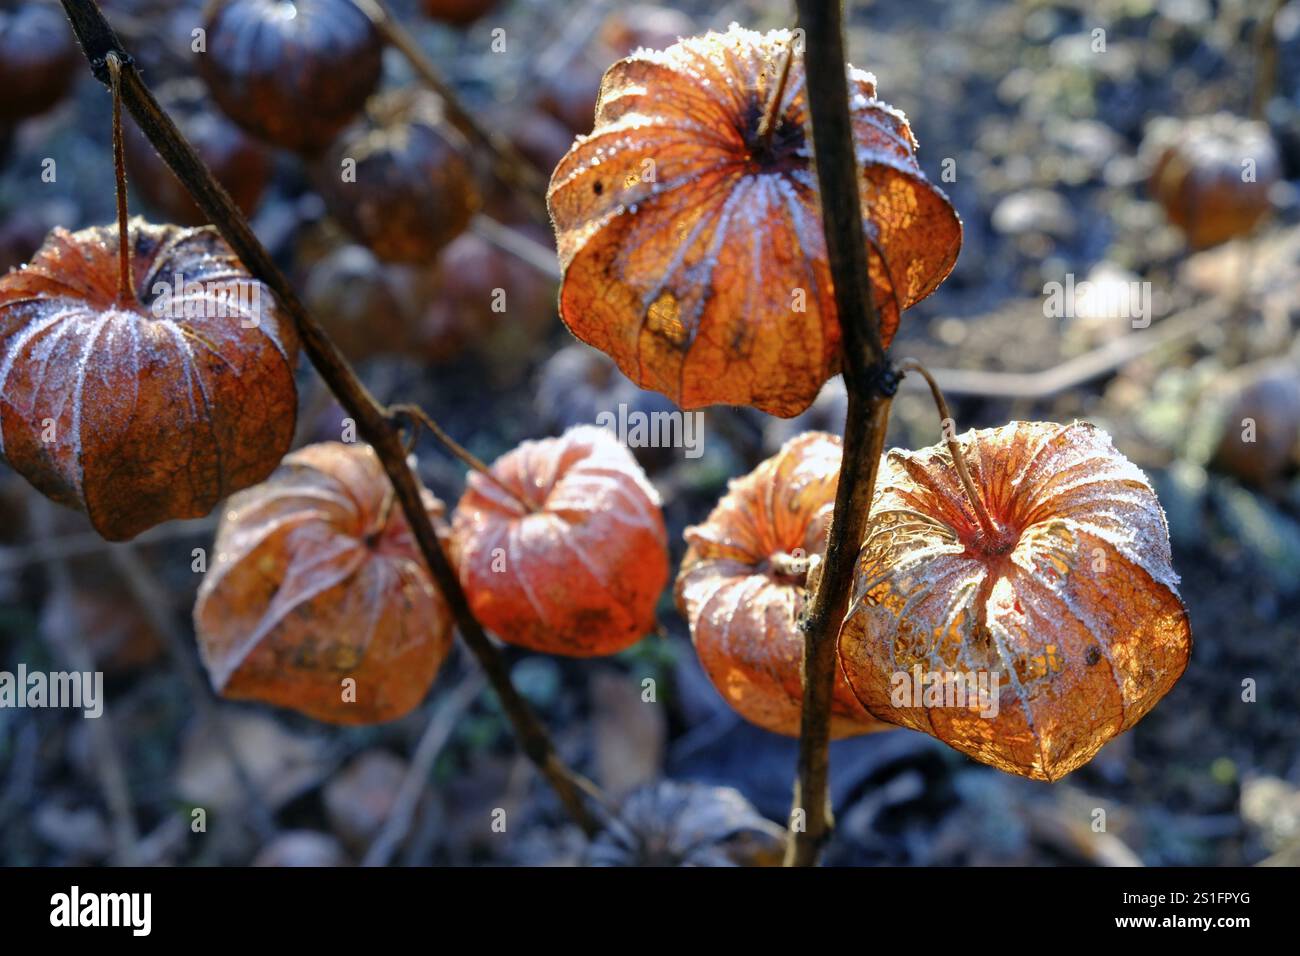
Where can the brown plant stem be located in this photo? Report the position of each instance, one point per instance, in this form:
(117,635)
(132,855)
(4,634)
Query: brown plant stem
(870,383)
(772,115)
(508,164)
(125,287)
(947,426)
(467,457)
(373,423)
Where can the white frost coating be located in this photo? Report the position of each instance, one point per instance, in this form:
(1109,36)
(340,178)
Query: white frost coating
(1077,489)
(183,347)
(19,343)
(77,402)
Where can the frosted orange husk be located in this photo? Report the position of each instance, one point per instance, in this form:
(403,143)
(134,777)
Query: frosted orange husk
(318,597)
(1072,600)
(571,559)
(150,409)
(692,245)
(744,582)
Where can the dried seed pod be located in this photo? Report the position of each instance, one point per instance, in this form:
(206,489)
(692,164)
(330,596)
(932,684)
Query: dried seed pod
(291,72)
(116,630)
(744,581)
(571,94)
(568,553)
(1212,174)
(540,138)
(687,824)
(38,58)
(692,243)
(578,385)
(24,227)
(489,300)
(142,411)
(368,307)
(1069,602)
(318,581)
(412,191)
(1254,413)
(240,163)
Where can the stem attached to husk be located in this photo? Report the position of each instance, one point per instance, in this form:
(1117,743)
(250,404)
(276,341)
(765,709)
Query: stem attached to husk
(772,115)
(467,457)
(125,287)
(948,428)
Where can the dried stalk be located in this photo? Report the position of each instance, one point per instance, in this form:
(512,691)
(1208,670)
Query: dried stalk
(373,423)
(947,426)
(870,383)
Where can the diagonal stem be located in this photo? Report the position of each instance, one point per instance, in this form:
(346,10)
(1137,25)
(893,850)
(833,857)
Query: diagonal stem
(870,383)
(98,41)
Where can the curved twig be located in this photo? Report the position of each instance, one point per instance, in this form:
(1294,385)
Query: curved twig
(946,424)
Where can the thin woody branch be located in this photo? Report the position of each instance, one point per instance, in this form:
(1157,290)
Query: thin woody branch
(98,40)
(870,382)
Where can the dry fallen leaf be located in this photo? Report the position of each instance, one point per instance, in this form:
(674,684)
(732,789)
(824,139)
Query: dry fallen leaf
(744,581)
(302,848)
(568,553)
(628,733)
(281,764)
(692,246)
(360,797)
(317,580)
(687,824)
(1072,604)
(151,410)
